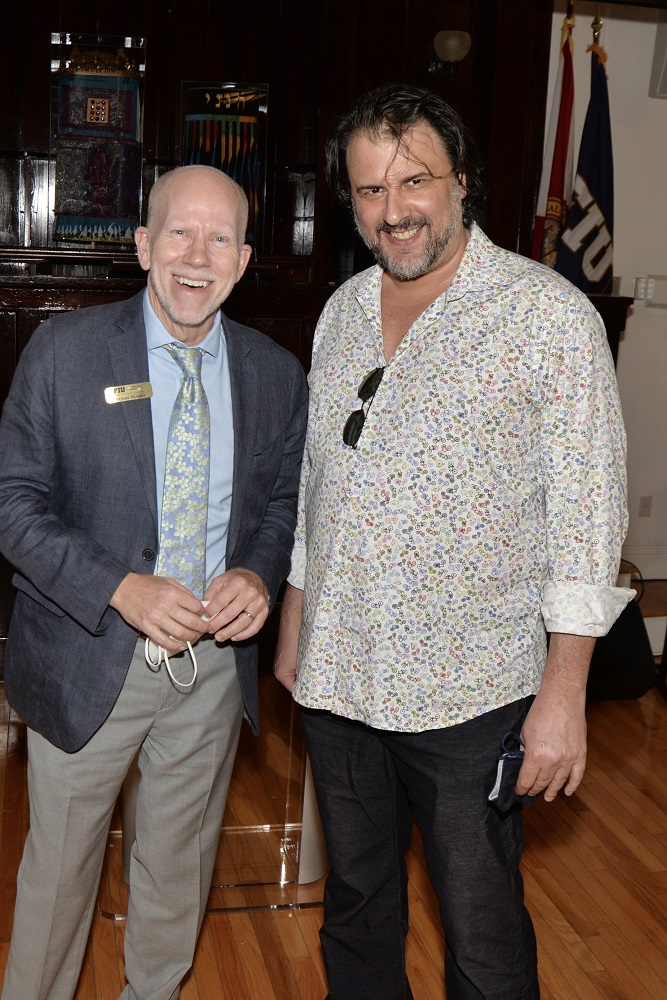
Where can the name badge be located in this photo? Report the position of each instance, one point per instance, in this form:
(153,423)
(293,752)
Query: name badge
(124,393)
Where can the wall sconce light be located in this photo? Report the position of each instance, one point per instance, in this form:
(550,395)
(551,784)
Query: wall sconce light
(450,48)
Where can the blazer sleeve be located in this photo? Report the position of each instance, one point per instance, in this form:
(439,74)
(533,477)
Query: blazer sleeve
(269,507)
(55,561)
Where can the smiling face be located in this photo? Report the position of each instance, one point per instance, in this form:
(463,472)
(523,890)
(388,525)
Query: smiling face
(193,248)
(407,202)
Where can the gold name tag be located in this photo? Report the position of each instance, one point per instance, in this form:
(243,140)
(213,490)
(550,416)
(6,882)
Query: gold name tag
(123,393)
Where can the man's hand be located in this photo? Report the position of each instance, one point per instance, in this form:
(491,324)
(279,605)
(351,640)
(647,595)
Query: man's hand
(238,605)
(160,608)
(285,662)
(554,732)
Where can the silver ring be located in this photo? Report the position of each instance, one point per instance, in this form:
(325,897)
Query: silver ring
(251,617)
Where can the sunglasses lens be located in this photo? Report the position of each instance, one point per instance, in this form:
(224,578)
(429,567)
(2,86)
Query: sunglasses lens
(353,427)
(370,384)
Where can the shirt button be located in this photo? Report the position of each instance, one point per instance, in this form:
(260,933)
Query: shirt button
(147,555)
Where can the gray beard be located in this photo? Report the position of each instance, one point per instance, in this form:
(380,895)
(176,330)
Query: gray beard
(434,252)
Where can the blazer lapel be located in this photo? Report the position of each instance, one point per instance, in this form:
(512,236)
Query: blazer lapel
(244,409)
(129,362)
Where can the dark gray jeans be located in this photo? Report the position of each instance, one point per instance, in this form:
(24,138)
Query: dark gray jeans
(369,783)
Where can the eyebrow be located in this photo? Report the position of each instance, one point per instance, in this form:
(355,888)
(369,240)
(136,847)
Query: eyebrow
(404,180)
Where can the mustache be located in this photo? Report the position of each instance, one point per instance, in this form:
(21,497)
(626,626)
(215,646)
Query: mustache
(403,225)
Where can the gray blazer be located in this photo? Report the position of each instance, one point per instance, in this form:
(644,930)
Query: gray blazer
(78,506)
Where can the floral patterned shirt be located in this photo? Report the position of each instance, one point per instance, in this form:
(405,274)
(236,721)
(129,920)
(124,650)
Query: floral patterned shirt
(484,503)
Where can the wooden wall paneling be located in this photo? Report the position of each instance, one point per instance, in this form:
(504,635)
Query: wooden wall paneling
(37,181)
(10,187)
(229,33)
(517,97)
(261,51)
(24,76)
(177,54)
(473,80)
(153,25)
(89,17)
(13,55)
(293,106)
(426,19)
(336,84)
(288,313)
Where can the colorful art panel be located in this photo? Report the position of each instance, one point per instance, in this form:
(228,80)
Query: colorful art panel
(224,126)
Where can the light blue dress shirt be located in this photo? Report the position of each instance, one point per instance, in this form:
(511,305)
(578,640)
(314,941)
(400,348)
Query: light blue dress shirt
(165,377)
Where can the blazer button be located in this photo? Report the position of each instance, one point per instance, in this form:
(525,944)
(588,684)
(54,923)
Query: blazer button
(147,555)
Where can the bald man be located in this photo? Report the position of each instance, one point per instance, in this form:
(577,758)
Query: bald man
(113,648)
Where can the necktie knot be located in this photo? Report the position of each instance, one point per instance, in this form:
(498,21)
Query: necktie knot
(188,359)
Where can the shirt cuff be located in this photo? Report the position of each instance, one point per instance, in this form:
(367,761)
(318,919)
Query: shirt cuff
(297,576)
(582,608)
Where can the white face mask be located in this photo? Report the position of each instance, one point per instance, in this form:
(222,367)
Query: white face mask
(155,655)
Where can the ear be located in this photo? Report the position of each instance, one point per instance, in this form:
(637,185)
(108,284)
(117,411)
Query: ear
(245,254)
(142,239)
(462,185)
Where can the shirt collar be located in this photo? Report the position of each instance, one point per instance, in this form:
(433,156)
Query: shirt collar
(158,336)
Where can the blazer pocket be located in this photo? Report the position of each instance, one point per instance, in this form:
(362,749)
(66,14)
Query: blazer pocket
(27,588)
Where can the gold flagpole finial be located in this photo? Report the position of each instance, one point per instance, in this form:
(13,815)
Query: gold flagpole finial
(596,25)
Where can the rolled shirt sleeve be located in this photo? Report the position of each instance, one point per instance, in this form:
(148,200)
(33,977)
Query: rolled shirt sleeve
(583,464)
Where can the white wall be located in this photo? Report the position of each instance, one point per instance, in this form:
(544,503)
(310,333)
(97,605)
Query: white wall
(639,137)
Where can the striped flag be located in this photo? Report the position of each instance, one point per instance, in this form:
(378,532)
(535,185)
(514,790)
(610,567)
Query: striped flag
(586,252)
(556,183)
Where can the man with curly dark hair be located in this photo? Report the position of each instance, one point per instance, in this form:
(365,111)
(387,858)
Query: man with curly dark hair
(462,494)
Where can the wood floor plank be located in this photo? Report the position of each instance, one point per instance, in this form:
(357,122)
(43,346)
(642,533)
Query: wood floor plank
(309,974)
(205,971)
(228,958)
(256,981)
(424,954)
(627,836)
(620,981)
(561,929)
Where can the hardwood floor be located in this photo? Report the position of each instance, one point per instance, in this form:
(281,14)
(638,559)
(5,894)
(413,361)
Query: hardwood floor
(595,869)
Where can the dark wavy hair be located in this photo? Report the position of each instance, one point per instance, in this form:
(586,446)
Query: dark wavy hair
(392,110)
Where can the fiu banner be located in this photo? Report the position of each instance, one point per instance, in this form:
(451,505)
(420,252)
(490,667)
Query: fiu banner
(586,252)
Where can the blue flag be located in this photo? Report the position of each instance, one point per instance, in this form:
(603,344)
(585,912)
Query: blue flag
(586,252)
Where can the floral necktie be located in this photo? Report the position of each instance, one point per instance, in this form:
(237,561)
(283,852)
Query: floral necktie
(182,553)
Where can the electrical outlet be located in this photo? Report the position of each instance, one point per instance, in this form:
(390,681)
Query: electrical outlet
(645,506)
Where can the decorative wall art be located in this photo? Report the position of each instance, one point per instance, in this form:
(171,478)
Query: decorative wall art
(224,126)
(97,137)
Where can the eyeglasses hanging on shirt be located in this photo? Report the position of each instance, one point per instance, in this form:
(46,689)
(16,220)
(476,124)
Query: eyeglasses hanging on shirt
(356,420)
